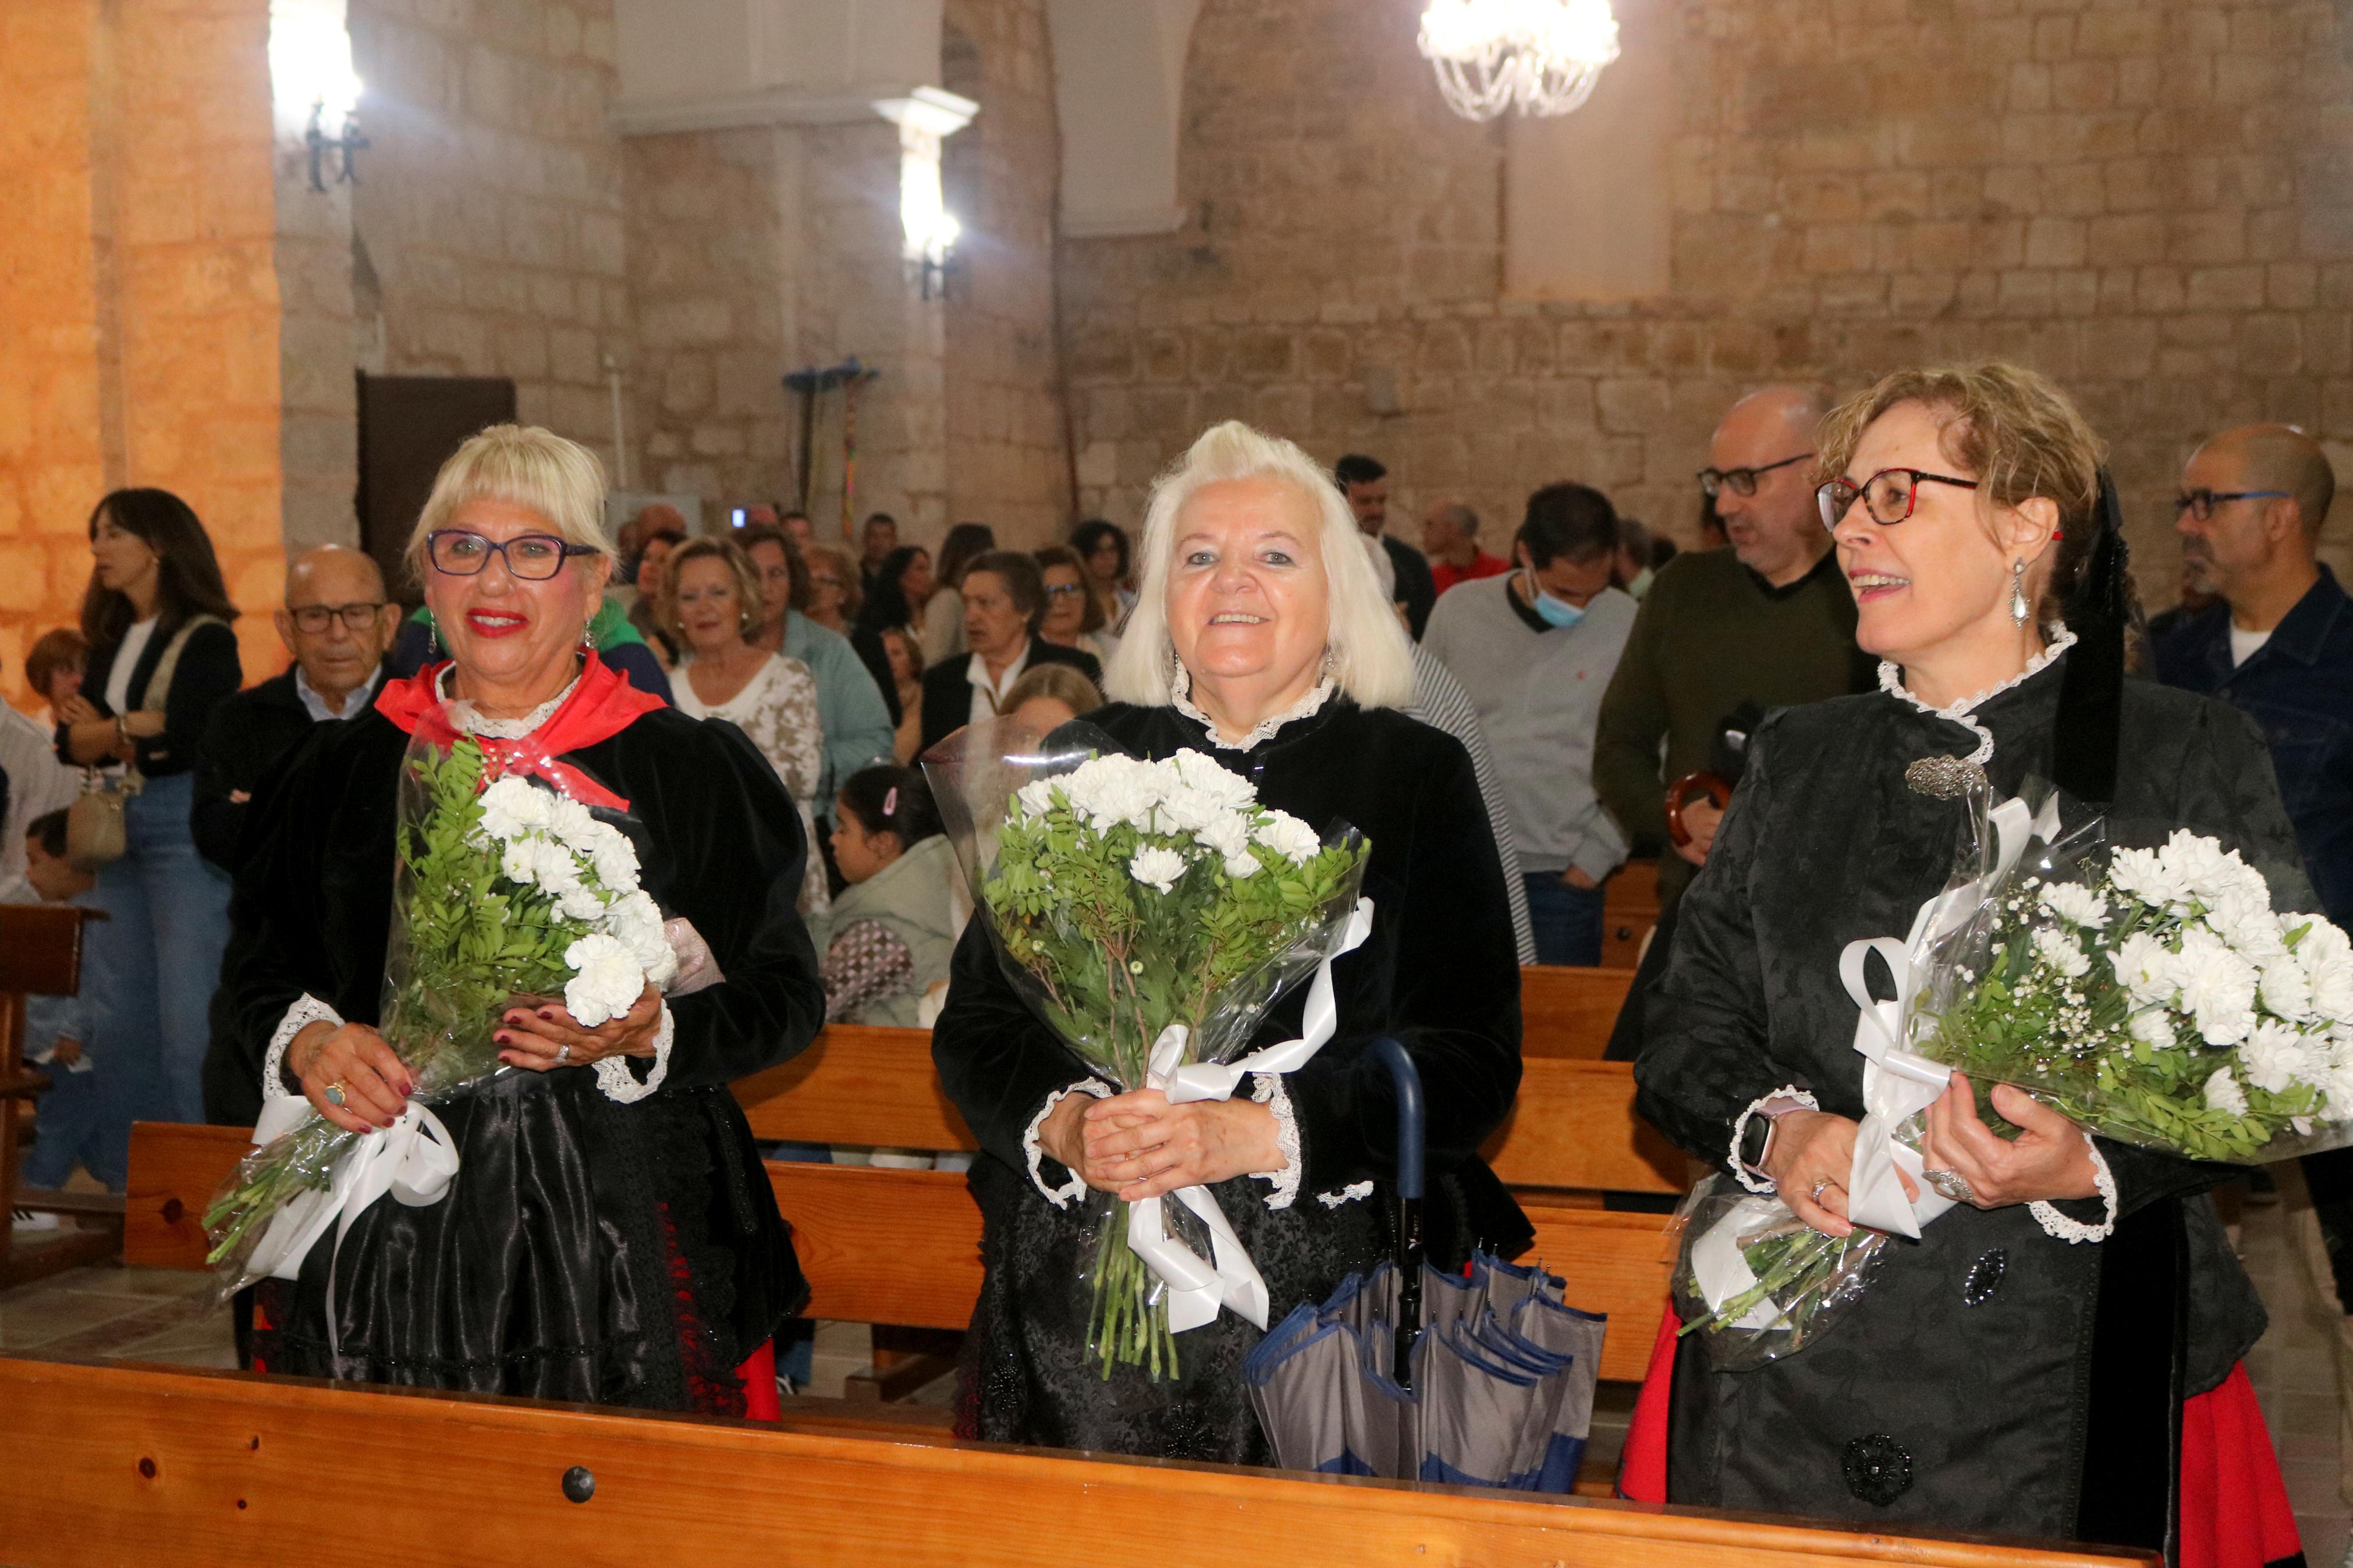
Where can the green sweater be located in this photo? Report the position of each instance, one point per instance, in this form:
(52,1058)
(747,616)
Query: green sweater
(1711,635)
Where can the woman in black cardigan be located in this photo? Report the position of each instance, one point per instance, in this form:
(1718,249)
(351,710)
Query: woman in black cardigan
(1260,637)
(160,655)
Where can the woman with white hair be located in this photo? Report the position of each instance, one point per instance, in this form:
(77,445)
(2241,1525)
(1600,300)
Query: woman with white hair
(1260,637)
(607,1237)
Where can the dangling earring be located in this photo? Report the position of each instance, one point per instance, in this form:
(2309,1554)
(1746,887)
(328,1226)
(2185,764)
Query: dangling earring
(2019,608)
(588,636)
(437,653)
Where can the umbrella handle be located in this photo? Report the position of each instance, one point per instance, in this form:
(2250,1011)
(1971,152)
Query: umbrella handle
(1410,1183)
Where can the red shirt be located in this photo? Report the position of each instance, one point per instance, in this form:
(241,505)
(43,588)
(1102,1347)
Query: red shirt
(1482,565)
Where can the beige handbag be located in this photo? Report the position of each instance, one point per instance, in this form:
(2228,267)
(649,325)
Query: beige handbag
(96,833)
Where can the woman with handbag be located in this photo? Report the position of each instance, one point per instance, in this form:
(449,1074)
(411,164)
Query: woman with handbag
(161,655)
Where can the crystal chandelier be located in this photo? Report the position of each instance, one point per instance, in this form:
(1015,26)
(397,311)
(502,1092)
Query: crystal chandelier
(1539,56)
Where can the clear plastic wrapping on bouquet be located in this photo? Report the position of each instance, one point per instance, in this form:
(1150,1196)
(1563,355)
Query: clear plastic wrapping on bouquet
(506,894)
(1757,1282)
(2137,977)
(1150,914)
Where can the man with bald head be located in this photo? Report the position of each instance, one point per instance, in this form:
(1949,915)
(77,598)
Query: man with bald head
(1723,635)
(2280,645)
(337,625)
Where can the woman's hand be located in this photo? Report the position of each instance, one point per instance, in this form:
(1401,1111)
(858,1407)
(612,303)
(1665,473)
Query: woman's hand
(1139,1146)
(77,709)
(353,1059)
(1813,1152)
(538,1039)
(2049,1159)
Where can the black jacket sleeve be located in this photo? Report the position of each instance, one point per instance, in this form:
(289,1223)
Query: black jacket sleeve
(996,1061)
(1706,1059)
(1453,1001)
(279,948)
(214,819)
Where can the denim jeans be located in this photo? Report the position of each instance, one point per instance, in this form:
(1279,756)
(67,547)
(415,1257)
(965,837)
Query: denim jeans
(158,957)
(77,1122)
(1567,920)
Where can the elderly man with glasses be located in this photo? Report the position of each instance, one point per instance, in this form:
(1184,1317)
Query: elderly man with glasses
(1722,636)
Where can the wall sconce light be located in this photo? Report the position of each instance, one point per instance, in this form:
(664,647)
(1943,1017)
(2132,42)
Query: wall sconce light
(930,231)
(320,144)
(939,261)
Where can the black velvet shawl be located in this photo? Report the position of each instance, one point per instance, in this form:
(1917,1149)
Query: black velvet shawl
(1440,971)
(1986,1399)
(587,1250)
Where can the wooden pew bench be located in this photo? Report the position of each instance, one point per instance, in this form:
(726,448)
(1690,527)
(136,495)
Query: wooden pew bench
(41,955)
(159,1467)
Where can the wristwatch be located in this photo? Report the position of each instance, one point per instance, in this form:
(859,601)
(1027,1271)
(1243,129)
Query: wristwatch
(1757,1134)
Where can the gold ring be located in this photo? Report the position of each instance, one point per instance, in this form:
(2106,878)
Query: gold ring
(335,1095)
(1825,1185)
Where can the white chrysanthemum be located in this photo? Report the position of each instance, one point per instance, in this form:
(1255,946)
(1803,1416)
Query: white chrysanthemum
(569,821)
(513,806)
(1288,836)
(606,982)
(2077,905)
(2145,969)
(2273,1057)
(1037,798)
(551,866)
(2210,871)
(2242,917)
(2327,958)
(2143,875)
(2060,949)
(1227,833)
(582,904)
(1198,770)
(636,921)
(2153,1027)
(1156,868)
(2223,1093)
(2218,987)
(517,863)
(615,858)
(2285,989)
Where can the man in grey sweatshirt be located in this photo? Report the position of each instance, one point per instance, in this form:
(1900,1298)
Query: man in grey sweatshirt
(1535,648)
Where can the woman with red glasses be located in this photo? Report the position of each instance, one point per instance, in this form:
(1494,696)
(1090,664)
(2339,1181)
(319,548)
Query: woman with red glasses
(2057,1355)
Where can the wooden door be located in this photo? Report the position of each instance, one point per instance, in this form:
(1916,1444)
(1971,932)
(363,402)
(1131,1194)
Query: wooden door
(408,427)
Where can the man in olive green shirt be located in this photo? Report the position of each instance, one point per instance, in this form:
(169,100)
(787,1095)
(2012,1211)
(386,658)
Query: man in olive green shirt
(1770,622)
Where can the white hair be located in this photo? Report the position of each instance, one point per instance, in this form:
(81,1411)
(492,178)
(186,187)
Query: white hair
(1371,658)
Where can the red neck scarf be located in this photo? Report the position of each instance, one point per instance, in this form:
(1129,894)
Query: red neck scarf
(601,706)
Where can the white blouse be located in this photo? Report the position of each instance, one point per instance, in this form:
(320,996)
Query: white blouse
(778,709)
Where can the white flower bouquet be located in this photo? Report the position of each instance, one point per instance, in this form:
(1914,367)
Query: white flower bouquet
(507,892)
(1150,912)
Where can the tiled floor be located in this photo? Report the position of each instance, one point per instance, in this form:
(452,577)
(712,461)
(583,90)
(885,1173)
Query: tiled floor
(115,1313)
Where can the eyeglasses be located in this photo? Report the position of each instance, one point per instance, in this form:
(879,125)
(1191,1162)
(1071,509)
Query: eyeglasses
(2201,503)
(1888,494)
(533,557)
(1740,482)
(1056,590)
(314,618)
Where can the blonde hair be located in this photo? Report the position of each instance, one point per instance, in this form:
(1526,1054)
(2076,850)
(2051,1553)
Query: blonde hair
(1066,684)
(1369,657)
(2008,428)
(527,467)
(750,613)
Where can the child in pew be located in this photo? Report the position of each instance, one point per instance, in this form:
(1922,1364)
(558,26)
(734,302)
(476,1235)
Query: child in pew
(77,1121)
(890,933)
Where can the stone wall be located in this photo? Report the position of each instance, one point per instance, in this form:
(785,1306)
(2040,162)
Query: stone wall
(489,208)
(1007,460)
(138,304)
(2151,200)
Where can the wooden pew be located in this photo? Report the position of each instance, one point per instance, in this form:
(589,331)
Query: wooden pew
(1569,1012)
(147,1468)
(40,955)
(1630,908)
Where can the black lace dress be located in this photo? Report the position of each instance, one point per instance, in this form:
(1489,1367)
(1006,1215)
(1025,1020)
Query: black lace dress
(1993,1377)
(1440,971)
(587,1250)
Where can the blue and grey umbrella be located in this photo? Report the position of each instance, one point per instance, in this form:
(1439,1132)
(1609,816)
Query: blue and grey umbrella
(1485,1378)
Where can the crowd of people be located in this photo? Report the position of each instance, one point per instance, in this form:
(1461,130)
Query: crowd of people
(1507,718)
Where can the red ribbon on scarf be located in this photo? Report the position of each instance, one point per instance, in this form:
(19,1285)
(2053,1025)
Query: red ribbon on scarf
(601,706)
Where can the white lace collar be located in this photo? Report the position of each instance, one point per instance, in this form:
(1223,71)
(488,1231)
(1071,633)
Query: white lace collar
(1180,692)
(1891,681)
(467,720)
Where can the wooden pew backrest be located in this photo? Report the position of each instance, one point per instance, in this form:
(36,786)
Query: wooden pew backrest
(1568,1012)
(1573,1126)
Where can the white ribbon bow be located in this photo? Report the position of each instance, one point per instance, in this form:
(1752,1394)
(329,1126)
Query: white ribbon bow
(1897,1083)
(415,1160)
(1197,1289)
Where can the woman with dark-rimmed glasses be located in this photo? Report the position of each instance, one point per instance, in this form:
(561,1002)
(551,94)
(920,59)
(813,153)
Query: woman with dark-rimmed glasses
(2057,1355)
(607,1237)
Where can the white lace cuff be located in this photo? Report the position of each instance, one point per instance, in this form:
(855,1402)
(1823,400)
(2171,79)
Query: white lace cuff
(307,1010)
(2074,1232)
(1353,1193)
(621,1085)
(1786,1098)
(1059,1196)
(1266,1089)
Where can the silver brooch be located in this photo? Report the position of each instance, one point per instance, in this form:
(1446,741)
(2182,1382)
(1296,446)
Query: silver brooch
(1944,778)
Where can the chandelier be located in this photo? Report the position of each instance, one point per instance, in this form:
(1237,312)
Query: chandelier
(1539,56)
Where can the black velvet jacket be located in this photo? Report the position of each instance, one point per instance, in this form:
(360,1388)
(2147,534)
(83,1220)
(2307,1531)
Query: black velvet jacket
(587,1250)
(1989,1397)
(1440,971)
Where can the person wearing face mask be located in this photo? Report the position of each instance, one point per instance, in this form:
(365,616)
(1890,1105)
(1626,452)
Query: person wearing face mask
(2057,1355)
(1535,649)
